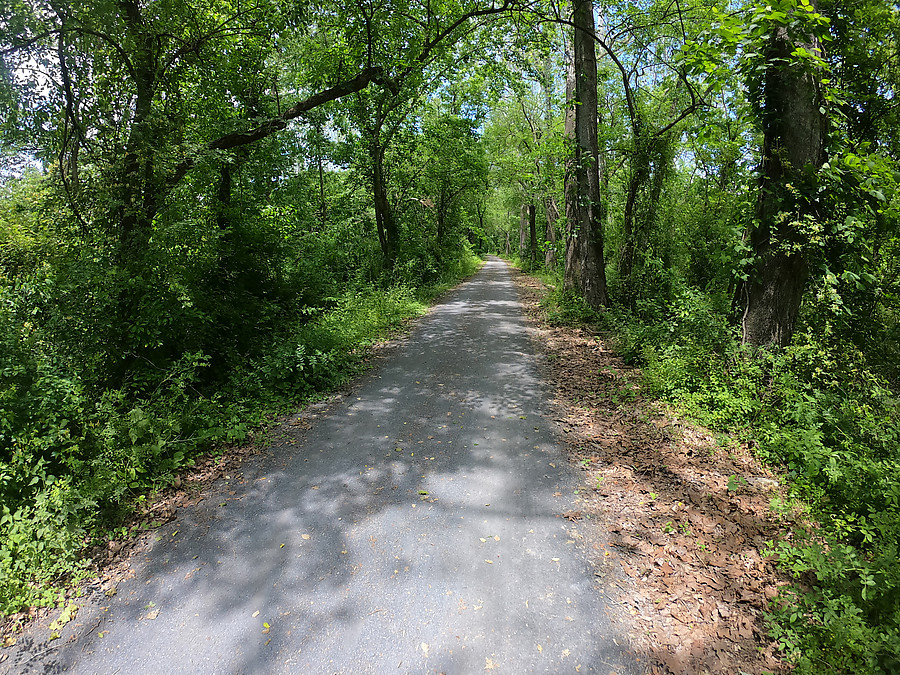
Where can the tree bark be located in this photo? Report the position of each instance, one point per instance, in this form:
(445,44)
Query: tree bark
(552,212)
(640,173)
(139,193)
(269,127)
(585,270)
(795,132)
(384,215)
(532,233)
(523,228)
(323,204)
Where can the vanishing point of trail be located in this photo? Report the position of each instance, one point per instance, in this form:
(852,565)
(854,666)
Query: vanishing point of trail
(414,528)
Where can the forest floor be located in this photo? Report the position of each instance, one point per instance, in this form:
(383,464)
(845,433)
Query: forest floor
(687,514)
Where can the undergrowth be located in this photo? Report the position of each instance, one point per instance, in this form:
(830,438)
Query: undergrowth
(75,459)
(824,414)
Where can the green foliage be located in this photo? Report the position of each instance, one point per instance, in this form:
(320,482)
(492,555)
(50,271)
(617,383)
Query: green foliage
(823,413)
(234,323)
(566,308)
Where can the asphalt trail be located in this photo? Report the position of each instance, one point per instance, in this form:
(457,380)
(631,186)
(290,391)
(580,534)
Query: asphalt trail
(414,529)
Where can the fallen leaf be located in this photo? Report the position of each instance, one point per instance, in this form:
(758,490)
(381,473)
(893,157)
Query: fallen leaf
(305,536)
(255,614)
(424,647)
(65,617)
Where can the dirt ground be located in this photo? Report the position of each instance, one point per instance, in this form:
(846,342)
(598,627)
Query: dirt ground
(687,515)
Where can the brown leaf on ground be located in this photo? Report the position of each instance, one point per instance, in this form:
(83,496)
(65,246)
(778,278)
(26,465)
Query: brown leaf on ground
(689,544)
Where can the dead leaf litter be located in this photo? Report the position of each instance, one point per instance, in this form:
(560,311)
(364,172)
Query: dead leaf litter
(685,519)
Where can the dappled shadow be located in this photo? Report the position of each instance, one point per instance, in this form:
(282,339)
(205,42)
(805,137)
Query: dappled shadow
(415,528)
(689,519)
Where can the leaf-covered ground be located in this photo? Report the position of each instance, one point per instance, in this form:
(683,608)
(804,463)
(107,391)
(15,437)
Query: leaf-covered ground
(687,516)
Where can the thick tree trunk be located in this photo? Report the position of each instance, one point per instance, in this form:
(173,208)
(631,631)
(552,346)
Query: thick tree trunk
(795,132)
(585,270)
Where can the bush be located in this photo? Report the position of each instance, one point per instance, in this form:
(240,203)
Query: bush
(229,326)
(820,411)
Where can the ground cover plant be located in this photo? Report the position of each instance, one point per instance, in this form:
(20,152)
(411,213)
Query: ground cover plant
(207,210)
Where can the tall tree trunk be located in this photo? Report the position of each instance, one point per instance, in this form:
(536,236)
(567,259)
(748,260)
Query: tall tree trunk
(795,131)
(585,270)
(640,170)
(384,216)
(649,169)
(138,198)
(552,212)
(532,234)
(523,229)
(139,194)
(223,196)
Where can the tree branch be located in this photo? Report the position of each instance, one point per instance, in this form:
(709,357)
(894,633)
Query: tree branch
(267,128)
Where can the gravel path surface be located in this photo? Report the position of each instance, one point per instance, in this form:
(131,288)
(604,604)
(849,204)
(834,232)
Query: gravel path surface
(415,528)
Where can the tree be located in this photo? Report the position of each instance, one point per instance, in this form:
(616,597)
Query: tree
(131,99)
(795,128)
(415,42)
(585,268)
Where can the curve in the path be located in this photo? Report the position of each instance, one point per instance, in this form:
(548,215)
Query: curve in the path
(415,529)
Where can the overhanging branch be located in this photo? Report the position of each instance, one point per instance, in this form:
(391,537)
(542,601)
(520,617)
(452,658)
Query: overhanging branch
(269,127)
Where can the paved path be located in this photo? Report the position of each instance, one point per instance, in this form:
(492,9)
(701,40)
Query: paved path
(414,529)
